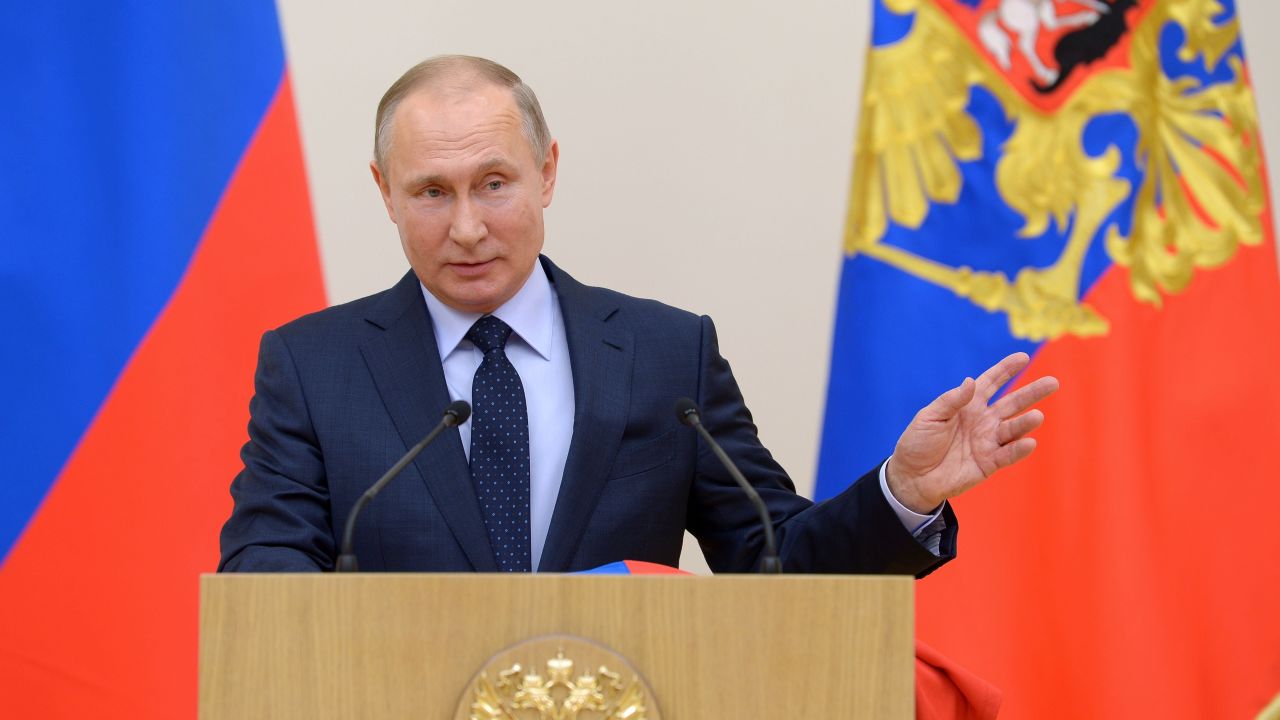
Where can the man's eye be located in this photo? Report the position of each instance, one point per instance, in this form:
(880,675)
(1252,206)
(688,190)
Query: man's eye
(433,192)
(495,184)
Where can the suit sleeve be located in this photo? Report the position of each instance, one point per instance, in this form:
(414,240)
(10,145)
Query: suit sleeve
(281,520)
(854,532)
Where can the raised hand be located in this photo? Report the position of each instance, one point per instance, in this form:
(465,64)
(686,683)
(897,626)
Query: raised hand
(958,440)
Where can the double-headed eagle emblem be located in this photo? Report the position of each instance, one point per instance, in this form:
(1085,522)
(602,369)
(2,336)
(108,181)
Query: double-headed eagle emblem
(1198,192)
(521,693)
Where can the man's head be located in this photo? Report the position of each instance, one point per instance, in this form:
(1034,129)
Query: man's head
(465,165)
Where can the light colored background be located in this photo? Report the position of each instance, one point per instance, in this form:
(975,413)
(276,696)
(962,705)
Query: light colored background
(705,157)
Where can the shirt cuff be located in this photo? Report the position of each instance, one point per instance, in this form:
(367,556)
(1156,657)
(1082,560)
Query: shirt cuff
(913,521)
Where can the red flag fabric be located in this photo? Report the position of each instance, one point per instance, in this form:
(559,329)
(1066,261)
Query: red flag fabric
(946,691)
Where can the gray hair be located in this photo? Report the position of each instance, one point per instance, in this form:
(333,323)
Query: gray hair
(442,66)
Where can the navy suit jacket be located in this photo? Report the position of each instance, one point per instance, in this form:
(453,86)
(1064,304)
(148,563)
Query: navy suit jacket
(341,394)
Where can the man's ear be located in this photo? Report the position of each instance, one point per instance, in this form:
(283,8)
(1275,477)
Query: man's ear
(549,173)
(384,187)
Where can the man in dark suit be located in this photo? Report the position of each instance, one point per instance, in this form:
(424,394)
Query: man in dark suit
(573,457)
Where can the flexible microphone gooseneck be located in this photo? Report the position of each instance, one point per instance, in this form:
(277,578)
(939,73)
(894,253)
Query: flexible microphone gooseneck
(687,413)
(454,415)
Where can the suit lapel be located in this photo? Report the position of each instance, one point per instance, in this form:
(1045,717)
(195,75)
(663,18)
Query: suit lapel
(404,361)
(601,356)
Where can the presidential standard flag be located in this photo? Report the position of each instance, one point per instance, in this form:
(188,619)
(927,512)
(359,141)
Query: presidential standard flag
(1080,180)
(155,221)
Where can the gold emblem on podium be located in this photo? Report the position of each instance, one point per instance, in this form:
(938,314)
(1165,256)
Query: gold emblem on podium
(557,677)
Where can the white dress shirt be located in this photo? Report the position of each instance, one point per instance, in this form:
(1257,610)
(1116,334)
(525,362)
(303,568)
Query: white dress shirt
(539,352)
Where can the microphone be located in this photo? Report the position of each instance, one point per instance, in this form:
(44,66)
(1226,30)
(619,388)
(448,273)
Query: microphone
(454,415)
(687,413)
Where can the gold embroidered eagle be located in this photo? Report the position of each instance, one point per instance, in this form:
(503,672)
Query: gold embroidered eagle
(1201,189)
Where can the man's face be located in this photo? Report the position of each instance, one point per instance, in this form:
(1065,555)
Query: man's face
(466,193)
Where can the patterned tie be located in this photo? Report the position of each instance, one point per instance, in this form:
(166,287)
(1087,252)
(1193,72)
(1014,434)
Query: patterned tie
(500,446)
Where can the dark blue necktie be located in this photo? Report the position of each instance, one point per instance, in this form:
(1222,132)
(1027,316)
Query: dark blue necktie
(500,446)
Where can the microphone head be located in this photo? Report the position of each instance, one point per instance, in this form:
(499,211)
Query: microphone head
(687,412)
(457,413)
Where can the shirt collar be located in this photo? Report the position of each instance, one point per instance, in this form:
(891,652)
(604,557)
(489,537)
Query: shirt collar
(528,312)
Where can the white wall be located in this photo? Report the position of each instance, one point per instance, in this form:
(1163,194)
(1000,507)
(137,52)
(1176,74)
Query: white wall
(705,156)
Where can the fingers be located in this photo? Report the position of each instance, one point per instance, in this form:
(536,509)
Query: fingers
(950,402)
(1017,402)
(1014,451)
(1014,429)
(1000,373)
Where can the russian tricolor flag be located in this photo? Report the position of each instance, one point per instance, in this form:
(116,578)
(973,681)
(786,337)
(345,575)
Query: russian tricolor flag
(155,220)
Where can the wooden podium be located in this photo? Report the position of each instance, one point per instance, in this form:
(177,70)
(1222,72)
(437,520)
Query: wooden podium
(408,646)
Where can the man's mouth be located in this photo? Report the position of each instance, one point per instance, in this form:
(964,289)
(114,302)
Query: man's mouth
(471,268)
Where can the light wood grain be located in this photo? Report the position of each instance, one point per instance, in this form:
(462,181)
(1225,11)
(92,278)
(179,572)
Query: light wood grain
(405,646)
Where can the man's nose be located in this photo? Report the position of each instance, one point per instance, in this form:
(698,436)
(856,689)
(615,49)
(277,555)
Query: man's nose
(467,226)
